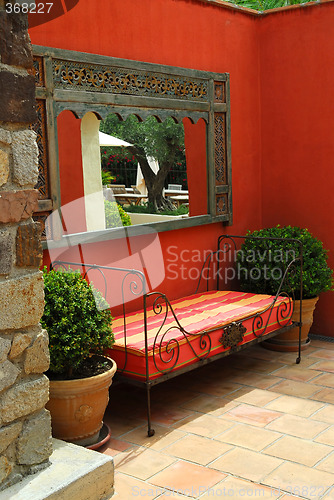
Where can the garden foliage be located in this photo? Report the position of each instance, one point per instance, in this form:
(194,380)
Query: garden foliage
(78,321)
(261,263)
(115,215)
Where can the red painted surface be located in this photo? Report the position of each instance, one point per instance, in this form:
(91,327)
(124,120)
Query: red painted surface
(297,61)
(281,71)
(71,174)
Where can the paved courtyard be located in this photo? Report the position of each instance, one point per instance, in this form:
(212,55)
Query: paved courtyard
(252,425)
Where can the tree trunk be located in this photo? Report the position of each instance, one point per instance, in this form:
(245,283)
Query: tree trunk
(155,181)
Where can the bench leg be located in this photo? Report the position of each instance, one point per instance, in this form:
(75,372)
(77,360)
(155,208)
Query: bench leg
(150,431)
(299,344)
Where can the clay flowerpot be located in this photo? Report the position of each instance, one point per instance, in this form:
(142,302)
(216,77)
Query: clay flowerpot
(288,341)
(77,406)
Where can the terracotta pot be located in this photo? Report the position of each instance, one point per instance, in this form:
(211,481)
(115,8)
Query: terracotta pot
(288,341)
(77,406)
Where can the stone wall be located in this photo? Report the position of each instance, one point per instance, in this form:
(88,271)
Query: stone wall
(25,425)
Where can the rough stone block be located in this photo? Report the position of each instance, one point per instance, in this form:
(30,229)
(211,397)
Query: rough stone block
(17,98)
(29,251)
(20,342)
(35,443)
(6,252)
(24,398)
(5,469)
(8,374)
(5,136)
(21,301)
(8,434)
(25,156)
(4,167)
(15,47)
(16,206)
(5,345)
(38,356)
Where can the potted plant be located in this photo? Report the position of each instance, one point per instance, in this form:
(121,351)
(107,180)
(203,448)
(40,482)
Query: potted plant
(269,259)
(78,321)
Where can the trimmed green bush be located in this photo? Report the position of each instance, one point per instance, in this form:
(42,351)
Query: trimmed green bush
(115,214)
(148,208)
(261,264)
(78,321)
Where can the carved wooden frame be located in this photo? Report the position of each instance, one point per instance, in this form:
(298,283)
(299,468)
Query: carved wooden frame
(82,82)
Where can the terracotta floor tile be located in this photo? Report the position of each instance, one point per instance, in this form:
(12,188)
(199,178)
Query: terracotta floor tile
(141,462)
(197,449)
(218,388)
(176,397)
(258,352)
(303,451)
(326,437)
(259,366)
(211,405)
(203,425)
(296,372)
(253,415)
(300,480)
(246,464)
(167,496)
(166,414)
(322,344)
(253,396)
(329,494)
(290,359)
(130,487)
(325,414)
(119,425)
(297,426)
(323,354)
(323,366)
(326,395)
(164,436)
(255,379)
(326,379)
(295,388)
(327,464)
(188,479)
(295,406)
(247,436)
(114,446)
(233,487)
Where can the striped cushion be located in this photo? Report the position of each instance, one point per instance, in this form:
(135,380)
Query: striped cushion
(208,311)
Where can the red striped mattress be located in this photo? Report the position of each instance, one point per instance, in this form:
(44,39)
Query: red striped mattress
(170,348)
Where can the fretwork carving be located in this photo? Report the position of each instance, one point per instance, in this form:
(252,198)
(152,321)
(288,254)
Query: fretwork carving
(220,149)
(43,172)
(98,78)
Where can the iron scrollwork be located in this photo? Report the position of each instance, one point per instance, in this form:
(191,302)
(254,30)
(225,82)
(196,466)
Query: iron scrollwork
(233,334)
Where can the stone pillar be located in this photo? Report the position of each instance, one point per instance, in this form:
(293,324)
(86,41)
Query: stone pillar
(25,425)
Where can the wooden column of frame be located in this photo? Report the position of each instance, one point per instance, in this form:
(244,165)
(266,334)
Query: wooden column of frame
(83,82)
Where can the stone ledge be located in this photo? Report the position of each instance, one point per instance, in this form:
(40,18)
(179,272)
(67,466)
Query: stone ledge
(74,473)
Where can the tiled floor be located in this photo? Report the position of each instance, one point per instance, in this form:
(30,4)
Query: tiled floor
(252,425)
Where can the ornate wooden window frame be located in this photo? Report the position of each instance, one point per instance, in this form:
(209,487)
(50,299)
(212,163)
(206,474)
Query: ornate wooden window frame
(82,82)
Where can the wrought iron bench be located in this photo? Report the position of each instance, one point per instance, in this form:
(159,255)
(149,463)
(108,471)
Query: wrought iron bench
(164,338)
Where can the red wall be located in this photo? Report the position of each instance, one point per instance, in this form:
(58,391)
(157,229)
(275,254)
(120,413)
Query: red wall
(297,119)
(281,67)
(190,34)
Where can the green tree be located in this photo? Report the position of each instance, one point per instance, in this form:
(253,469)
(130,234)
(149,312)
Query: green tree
(262,5)
(162,141)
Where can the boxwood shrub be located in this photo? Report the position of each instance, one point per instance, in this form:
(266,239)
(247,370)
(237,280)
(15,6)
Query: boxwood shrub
(78,321)
(261,264)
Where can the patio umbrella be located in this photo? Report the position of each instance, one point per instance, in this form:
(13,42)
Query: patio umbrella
(109,140)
